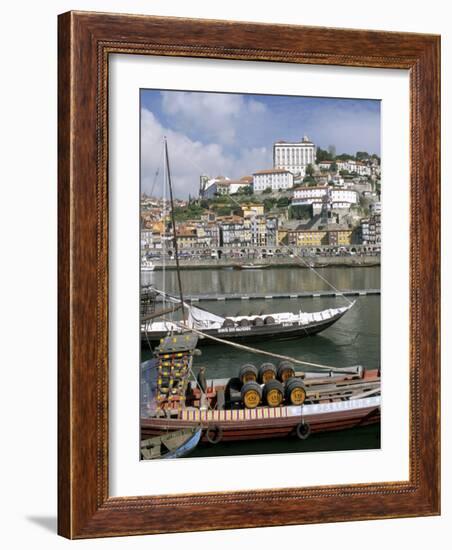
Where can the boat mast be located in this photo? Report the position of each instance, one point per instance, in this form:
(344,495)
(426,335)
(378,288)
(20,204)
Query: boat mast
(173,222)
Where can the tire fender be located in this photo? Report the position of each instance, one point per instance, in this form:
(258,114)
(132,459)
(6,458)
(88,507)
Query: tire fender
(214,434)
(303,430)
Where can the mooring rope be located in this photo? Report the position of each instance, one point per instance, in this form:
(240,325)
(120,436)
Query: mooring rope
(263,352)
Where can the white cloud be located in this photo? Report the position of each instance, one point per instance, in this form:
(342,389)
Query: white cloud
(190,158)
(218,117)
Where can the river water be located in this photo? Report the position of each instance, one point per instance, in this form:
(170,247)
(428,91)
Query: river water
(353,340)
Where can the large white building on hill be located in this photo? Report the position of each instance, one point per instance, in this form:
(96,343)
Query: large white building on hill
(294,156)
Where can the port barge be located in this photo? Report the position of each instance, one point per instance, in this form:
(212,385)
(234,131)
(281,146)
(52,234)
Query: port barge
(277,326)
(259,403)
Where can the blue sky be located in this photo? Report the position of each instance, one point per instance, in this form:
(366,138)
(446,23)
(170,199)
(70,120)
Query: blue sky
(233,134)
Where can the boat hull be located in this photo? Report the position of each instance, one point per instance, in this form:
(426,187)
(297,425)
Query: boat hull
(268,428)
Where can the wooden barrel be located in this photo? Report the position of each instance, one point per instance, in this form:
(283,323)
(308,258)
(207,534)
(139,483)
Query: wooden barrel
(258,322)
(228,323)
(267,372)
(295,391)
(244,323)
(274,393)
(269,320)
(251,395)
(248,373)
(285,371)
(232,391)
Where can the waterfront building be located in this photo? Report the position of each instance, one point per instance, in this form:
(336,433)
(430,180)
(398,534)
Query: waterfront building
(275,179)
(319,237)
(271,223)
(187,239)
(150,240)
(235,234)
(371,230)
(294,156)
(340,237)
(212,232)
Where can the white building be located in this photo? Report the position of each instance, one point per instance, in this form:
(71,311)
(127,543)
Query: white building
(294,156)
(276,178)
(208,187)
(361,168)
(345,197)
(336,197)
(309,195)
(235,186)
(325,164)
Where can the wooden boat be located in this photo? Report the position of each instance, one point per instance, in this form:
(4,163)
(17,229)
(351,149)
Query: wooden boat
(173,444)
(252,266)
(277,326)
(244,407)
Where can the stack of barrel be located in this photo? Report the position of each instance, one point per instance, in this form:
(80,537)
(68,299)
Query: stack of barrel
(174,356)
(270,385)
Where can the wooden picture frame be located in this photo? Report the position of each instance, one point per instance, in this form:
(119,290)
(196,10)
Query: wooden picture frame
(86,40)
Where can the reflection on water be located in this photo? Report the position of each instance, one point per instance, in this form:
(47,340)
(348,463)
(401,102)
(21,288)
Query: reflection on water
(291,279)
(353,340)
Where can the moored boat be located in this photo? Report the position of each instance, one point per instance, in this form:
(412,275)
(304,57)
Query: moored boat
(147,265)
(278,326)
(173,444)
(252,266)
(259,403)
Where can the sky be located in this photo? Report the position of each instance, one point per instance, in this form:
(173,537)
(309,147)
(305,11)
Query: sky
(233,134)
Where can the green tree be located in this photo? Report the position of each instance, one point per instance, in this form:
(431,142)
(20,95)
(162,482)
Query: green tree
(361,155)
(267,190)
(282,202)
(300,212)
(309,170)
(322,154)
(344,156)
(269,204)
(333,167)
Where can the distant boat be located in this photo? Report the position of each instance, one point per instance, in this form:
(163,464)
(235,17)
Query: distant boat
(253,266)
(147,265)
(176,444)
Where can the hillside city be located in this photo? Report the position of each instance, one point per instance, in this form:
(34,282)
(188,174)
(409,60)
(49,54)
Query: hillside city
(311,202)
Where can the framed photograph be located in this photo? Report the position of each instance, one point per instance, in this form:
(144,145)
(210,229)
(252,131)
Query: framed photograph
(248,275)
